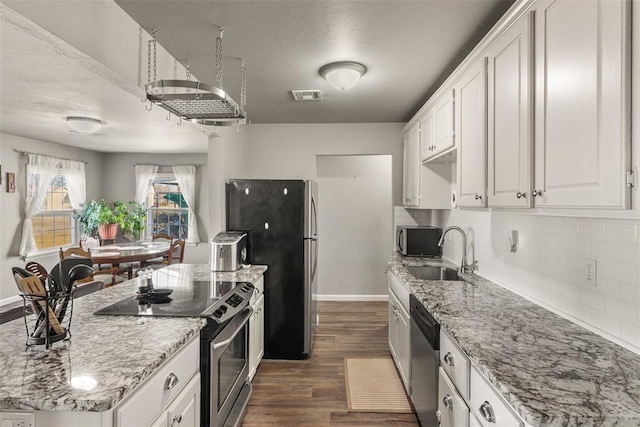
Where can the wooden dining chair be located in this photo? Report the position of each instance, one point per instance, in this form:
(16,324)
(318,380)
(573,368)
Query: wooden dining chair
(78,252)
(176,252)
(162,236)
(37,269)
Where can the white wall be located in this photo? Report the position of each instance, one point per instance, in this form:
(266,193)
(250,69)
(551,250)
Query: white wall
(228,158)
(288,151)
(119,184)
(12,204)
(354,222)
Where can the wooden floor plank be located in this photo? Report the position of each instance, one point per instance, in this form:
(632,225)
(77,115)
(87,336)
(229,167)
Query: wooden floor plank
(311,393)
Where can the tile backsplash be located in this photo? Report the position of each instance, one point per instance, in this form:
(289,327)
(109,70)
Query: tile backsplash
(549,266)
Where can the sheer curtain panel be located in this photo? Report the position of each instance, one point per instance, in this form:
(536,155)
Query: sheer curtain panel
(76,185)
(186,177)
(145,174)
(40,171)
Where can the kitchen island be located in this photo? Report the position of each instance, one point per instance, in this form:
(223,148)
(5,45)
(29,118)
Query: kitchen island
(551,371)
(107,358)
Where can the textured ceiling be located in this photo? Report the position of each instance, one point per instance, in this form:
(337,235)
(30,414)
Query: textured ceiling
(408,47)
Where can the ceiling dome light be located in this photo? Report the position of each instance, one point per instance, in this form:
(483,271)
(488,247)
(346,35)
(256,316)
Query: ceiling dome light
(343,75)
(84,124)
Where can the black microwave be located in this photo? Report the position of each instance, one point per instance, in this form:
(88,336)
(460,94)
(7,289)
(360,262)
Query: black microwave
(420,240)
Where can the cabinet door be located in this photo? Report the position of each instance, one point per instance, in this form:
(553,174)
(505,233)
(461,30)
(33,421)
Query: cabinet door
(509,124)
(185,409)
(404,346)
(393,326)
(443,137)
(260,335)
(426,136)
(471,135)
(411,170)
(452,408)
(253,344)
(582,105)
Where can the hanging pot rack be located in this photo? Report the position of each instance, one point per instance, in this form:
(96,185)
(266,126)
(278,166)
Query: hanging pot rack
(195,101)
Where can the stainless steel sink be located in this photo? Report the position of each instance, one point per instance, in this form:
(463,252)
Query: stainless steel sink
(433,273)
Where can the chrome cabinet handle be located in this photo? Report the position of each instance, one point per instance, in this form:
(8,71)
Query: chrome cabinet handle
(448,359)
(487,412)
(520,195)
(478,197)
(447,400)
(535,193)
(171,381)
(177,419)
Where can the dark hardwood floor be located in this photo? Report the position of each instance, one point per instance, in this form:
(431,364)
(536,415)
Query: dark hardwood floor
(312,392)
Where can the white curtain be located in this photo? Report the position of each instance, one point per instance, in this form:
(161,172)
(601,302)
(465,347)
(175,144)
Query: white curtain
(186,177)
(145,174)
(40,172)
(76,184)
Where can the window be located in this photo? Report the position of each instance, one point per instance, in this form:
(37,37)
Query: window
(54,226)
(168,211)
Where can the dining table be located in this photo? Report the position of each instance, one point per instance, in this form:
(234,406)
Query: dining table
(127,253)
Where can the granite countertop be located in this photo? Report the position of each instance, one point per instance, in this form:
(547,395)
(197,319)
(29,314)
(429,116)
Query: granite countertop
(553,372)
(107,356)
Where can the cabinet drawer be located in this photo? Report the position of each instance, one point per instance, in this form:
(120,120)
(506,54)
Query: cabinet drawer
(400,290)
(455,363)
(257,291)
(146,403)
(486,400)
(453,411)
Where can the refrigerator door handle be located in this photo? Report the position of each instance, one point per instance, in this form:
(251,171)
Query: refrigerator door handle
(314,222)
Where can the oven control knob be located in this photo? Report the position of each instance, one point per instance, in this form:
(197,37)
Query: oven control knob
(218,313)
(223,309)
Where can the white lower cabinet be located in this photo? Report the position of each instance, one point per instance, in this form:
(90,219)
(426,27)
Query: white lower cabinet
(473,421)
(162,390)
(399,329)
(256,336)
(185,409)
(488,406)
(452,409)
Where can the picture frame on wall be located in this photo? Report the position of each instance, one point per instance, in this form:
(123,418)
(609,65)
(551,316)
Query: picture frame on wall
(11,182)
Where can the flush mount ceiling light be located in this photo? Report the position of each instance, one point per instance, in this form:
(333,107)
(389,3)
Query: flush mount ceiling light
(84,124)
(343,75)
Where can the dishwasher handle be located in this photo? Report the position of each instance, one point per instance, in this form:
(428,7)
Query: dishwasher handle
(425,322)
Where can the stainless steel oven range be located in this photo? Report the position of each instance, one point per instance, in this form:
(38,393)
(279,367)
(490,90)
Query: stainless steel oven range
(224,341)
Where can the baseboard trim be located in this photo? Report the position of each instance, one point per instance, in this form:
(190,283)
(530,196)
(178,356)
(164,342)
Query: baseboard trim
(10,300)
(353,297)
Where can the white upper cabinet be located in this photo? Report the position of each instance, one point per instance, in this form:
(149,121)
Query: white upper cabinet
(471,135)
(438,137)
(509,117)
(582,103)
(426,135)
(411,167)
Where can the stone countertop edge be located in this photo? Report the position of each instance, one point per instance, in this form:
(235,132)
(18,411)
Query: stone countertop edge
(94,371)
(552,371)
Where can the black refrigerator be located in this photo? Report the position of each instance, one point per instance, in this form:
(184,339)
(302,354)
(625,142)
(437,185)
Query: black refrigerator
(280,219)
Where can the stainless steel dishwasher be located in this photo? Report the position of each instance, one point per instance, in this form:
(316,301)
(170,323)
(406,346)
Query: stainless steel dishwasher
(425,356)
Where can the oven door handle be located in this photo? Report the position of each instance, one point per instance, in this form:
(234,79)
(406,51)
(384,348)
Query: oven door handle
(227,337)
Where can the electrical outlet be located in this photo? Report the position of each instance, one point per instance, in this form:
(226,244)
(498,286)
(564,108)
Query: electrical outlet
(17,419)
(590,272)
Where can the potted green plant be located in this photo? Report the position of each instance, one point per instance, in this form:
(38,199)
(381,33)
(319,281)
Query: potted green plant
(105,217)
(132,218)
(97,215)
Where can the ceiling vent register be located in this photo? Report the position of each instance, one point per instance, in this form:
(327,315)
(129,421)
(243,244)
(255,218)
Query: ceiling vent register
(195,101)
(307,95)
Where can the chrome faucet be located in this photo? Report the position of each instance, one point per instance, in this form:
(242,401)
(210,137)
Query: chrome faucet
(464,267)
